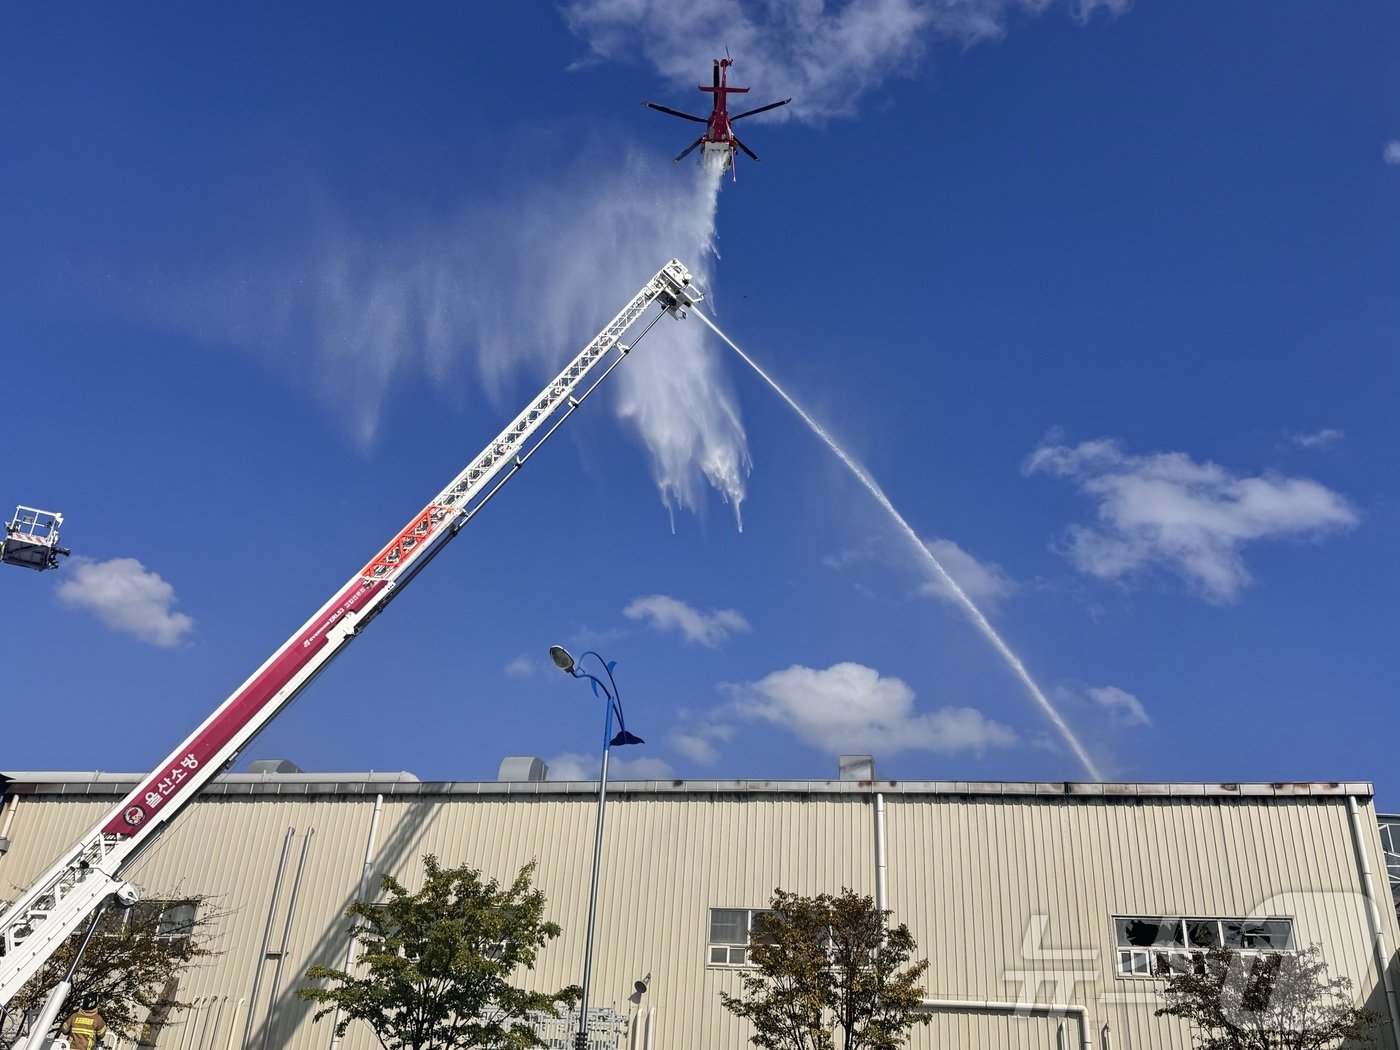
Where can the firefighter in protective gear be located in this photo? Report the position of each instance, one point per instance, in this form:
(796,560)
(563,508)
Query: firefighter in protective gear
(85,1027)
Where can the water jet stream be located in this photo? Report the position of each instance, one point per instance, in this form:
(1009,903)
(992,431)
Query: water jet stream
(1012,660)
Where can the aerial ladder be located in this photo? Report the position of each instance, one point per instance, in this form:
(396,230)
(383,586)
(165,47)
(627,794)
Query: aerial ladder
(51,910)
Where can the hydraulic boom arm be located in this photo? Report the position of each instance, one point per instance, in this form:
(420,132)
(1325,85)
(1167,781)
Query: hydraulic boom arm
(54,907)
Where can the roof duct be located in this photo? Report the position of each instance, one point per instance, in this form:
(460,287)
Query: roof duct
(857,767)
(274,765)
(526,768)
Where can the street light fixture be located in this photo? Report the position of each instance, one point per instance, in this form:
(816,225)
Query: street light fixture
(566,663)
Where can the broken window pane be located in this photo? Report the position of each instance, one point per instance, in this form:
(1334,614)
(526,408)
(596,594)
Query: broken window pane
(1268,933)
(1258,934)
(1161,946)
(1149,933)
(1202,933)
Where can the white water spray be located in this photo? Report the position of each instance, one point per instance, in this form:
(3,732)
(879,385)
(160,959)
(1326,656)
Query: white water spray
(975,613)
(680,401)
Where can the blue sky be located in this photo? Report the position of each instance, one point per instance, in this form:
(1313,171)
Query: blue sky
(1101,294)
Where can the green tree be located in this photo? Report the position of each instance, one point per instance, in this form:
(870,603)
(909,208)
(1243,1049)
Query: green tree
(1272,1002)
(132,964)
(826,963)
(434,966)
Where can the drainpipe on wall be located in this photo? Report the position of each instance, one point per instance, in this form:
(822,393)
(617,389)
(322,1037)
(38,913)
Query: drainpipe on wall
(1373,915)
(986,1006)
(881,896)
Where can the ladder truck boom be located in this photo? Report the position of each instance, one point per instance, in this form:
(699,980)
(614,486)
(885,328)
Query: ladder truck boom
(56,905)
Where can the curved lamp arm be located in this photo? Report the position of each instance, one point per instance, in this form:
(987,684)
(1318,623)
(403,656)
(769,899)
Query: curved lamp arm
(565,662)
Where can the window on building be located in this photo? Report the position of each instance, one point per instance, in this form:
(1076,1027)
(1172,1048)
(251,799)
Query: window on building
(176,921)
(1257,934)
(730,929)
(1158,945)
(1390,848)
(164,920)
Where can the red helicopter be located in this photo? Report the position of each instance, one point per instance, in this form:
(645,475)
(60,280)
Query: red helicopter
(719,140)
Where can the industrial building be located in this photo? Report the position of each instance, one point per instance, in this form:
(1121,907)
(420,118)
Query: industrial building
(1047,910)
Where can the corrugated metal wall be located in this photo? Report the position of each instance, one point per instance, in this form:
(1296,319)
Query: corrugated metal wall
(1015,897)
(1010,897)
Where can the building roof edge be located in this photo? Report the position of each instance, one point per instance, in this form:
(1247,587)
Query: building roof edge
(100,783)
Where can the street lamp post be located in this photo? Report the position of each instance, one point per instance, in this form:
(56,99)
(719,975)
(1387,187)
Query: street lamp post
(566,663)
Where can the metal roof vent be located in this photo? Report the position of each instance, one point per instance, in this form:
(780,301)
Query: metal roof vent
(523,768)
(273,766)
(857,767)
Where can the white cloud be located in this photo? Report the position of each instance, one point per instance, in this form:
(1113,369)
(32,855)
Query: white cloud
(522,667)
(851,708)
(127,597)
(1166,511)
(1084,9)
(1121,706)
(696,748)
(573,765)
(826,56)
(1392,151)
(698,628)
(698,742)
(518,281)
(1318,438)
(986,583)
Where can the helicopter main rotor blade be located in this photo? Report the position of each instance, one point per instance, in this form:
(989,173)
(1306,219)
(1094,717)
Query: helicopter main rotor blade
(682,154)
(751,153)
(760,109)
(675,112)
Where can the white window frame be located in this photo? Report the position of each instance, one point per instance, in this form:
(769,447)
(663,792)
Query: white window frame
(736,954)
(1153,963)
(1390,850)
